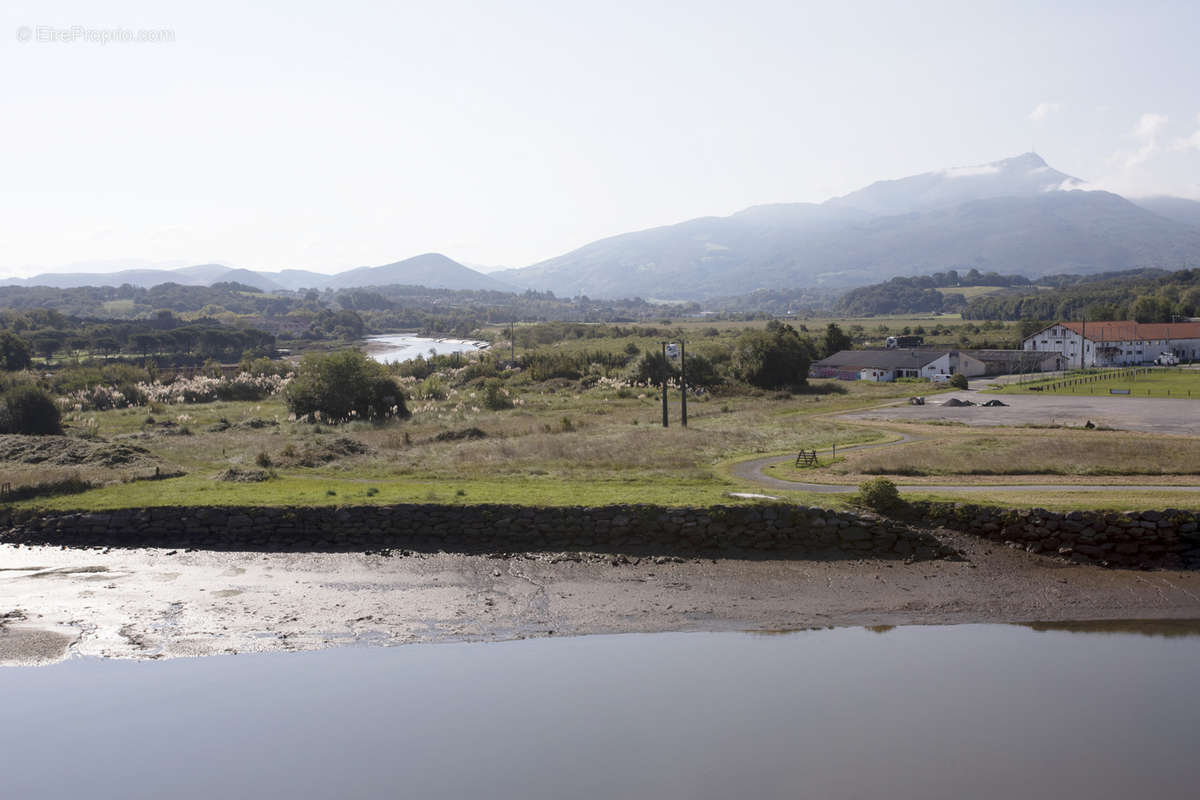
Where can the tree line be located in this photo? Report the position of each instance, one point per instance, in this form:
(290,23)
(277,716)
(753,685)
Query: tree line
(1142,296)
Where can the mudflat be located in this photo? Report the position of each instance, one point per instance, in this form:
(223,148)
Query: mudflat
(149,603)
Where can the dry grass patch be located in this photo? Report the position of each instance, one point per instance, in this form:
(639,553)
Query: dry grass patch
(1070,453)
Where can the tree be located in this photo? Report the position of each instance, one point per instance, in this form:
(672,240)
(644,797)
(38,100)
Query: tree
(29,410)
(47,345)
(344,385)
(1148,308)
(654,368)
(834,340)
(14,352)
(146,343)
(772,358)
(107,345)
(958,380)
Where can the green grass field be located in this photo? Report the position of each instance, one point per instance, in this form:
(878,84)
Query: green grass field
(1174,382)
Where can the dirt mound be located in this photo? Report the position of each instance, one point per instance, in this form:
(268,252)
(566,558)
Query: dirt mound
(66,451)
(995,404)
(322,451)
(954,402)
(236,475)
(254,423)
(466,433)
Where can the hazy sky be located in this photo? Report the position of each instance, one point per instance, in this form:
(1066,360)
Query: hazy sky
(332,135)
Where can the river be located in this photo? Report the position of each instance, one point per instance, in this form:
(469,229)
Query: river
(971,711)
(404,346)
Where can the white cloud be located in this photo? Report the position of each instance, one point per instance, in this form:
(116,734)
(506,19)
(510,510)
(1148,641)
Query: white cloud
(1044,110)
(1149,125)
(1146,132)
(1191,142)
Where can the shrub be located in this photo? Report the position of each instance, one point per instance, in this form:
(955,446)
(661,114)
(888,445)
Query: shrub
(772,358)
(14,352)
(878,494)
(494,396)
(958,380)
(343,386)
(29,410)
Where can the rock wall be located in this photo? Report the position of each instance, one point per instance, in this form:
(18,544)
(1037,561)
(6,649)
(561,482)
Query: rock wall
(652,530)
(1139,539)
(1143,539)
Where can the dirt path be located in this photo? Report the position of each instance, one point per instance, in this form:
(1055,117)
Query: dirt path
(753,469)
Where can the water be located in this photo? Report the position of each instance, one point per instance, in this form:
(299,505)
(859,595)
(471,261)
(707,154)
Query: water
(403,346)
(920,712)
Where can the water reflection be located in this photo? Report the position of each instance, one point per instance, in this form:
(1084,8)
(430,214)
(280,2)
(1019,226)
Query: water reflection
(404,346)
(974,711)
(1166,628)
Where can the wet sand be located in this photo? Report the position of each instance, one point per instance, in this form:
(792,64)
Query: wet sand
(160,604)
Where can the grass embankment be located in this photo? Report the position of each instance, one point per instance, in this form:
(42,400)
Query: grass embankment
(1160,382)
(559,445)
(1008,453)
(1098,500)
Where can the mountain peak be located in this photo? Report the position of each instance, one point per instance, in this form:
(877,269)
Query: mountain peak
(1025,175)
(1030,159)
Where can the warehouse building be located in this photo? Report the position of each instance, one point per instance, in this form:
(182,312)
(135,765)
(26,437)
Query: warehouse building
(1115,343)
(885,365)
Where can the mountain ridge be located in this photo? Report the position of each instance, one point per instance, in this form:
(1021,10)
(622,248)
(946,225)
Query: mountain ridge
(1014,215)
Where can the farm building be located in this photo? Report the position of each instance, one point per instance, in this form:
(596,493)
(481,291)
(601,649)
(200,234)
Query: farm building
(1011,362)
(884,365)
(1112,344)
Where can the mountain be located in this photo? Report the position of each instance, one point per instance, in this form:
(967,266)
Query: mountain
(247,277)
(1176,208)
(204,275)
(294,279)
(1025,175)
(432,270)
(1018,215)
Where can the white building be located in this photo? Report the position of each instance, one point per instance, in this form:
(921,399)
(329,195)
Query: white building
(1114,344)
(885,365)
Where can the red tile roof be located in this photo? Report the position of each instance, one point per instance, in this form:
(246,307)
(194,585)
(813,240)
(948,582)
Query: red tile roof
(1135,331)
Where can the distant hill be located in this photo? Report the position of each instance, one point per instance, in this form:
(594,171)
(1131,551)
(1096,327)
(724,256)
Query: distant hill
(1016,215)
(431,270)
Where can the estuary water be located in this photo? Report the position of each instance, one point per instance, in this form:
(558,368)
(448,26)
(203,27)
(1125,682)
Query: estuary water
(974,711)
(404,346)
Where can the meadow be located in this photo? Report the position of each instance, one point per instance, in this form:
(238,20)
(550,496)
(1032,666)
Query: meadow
(1174,382)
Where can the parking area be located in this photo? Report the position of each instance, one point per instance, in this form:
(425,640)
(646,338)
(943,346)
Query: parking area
(1124,413)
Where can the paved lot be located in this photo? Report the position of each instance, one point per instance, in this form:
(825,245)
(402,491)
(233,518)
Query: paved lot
(1155,415)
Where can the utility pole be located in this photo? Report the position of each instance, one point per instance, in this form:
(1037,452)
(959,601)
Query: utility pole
(512,341)
(1082,340)
(682,385)
(664,383)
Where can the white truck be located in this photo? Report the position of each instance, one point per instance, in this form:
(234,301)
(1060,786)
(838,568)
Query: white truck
(1167,360)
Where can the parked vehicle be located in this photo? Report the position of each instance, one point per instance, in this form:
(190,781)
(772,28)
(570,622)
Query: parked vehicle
(904,341)
(1167,360)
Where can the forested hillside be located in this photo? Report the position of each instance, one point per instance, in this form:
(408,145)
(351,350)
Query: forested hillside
(921,294)
(1143,295)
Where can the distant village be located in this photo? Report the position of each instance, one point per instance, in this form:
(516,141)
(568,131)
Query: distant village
(1061,346)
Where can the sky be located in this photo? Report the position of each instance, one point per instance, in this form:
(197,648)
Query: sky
(328,136)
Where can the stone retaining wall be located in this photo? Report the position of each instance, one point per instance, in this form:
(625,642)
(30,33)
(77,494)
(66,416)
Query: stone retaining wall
(1143,539)
(1140,539)
(723,530)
